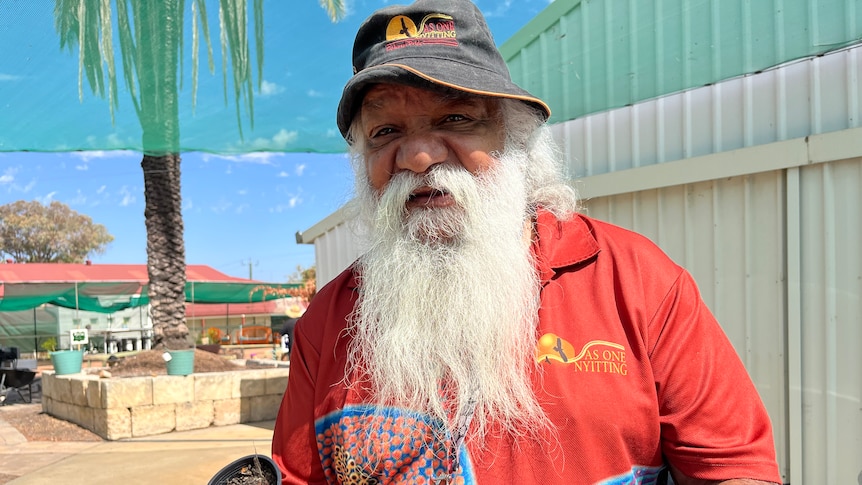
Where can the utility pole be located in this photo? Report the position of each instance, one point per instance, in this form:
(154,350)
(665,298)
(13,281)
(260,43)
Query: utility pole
(250,264)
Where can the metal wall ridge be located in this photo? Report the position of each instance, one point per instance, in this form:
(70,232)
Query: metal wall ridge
(821,148)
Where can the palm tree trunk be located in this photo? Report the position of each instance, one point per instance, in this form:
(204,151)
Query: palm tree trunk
(166,254)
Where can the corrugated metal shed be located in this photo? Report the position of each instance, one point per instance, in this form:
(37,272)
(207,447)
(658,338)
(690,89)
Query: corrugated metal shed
(590,56)
(727,131)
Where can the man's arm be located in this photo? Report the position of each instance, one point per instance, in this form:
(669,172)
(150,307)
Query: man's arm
(680,479)
(714,425)
(294,446)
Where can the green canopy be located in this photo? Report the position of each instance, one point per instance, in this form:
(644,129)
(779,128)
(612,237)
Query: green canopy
(110,297)
(121,75)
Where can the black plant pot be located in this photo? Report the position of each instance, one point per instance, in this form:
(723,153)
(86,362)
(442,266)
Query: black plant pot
(211,348)
(246,467)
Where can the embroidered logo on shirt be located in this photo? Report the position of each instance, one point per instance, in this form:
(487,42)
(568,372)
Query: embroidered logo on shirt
(596,356)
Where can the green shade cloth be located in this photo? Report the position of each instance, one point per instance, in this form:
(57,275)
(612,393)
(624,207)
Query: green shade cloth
(111,297)
(46,108)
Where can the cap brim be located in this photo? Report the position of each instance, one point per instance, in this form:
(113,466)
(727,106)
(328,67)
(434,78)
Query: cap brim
(430,73)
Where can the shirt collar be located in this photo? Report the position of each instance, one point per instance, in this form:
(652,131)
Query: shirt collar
(560,244)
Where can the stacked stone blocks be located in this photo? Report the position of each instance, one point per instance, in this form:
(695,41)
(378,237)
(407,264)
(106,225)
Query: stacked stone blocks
(129,407)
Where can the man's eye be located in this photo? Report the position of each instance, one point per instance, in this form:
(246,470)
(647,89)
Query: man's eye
(382,132)
(455,118)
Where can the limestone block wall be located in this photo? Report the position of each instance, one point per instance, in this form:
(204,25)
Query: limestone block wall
(127,407)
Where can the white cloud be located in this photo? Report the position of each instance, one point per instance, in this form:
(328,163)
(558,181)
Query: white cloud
(128,198)
(299,169)
(292,202)
(80,199)
(47,198)
(501,9)
(258,158)
(279,141)
(10,77)
(314,94)
(283,137)
(8,176)
(114,140)
(242,192)
(269,89)
(89,155)
(187,204)
(102,189)
(222,207)
(241,208)
(283,174)
(82,167)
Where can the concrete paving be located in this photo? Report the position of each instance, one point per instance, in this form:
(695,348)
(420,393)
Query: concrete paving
(186,457)
(176,458)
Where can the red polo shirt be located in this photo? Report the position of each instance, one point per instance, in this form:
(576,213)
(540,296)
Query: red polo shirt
(635,372)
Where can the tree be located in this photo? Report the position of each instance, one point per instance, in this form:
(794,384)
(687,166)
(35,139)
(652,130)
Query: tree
(302,275)
(150,36)
(308,278)
(34,233)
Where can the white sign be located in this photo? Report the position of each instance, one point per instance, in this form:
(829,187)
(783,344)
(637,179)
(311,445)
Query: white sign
(79,336)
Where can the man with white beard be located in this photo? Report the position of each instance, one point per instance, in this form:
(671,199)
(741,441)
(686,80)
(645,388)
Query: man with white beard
(491,334)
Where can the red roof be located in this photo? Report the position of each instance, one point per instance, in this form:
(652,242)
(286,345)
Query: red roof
(62,272)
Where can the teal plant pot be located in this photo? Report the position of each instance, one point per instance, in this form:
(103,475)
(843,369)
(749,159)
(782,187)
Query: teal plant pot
(67,361)
(181,363)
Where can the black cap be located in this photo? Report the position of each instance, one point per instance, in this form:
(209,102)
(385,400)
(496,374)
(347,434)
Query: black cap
(430,43)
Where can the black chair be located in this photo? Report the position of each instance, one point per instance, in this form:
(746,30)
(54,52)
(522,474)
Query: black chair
(15,380)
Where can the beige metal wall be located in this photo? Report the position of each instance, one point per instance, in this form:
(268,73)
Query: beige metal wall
(825,297)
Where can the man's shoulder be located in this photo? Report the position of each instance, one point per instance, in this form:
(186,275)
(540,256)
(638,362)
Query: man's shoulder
(623,239)
(331,303)
(606,239)
(607,233)
(346,280)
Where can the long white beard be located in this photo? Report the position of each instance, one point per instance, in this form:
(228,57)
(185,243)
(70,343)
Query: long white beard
(449,300)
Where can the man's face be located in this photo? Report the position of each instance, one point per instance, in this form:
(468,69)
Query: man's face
(445,205)
(412,129)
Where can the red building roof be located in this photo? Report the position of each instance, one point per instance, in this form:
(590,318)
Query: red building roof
(82,273)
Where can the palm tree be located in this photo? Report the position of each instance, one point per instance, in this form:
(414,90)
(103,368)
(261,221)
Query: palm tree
(151,55)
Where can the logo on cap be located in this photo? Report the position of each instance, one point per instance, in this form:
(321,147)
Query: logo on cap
(434,29)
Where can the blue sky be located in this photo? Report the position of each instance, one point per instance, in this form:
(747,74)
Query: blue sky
(241,211)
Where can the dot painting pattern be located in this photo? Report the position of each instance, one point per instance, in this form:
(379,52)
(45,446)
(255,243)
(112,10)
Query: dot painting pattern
(372,445)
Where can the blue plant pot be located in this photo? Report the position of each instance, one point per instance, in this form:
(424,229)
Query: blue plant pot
(67,361)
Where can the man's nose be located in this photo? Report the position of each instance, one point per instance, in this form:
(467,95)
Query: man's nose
(421,151)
